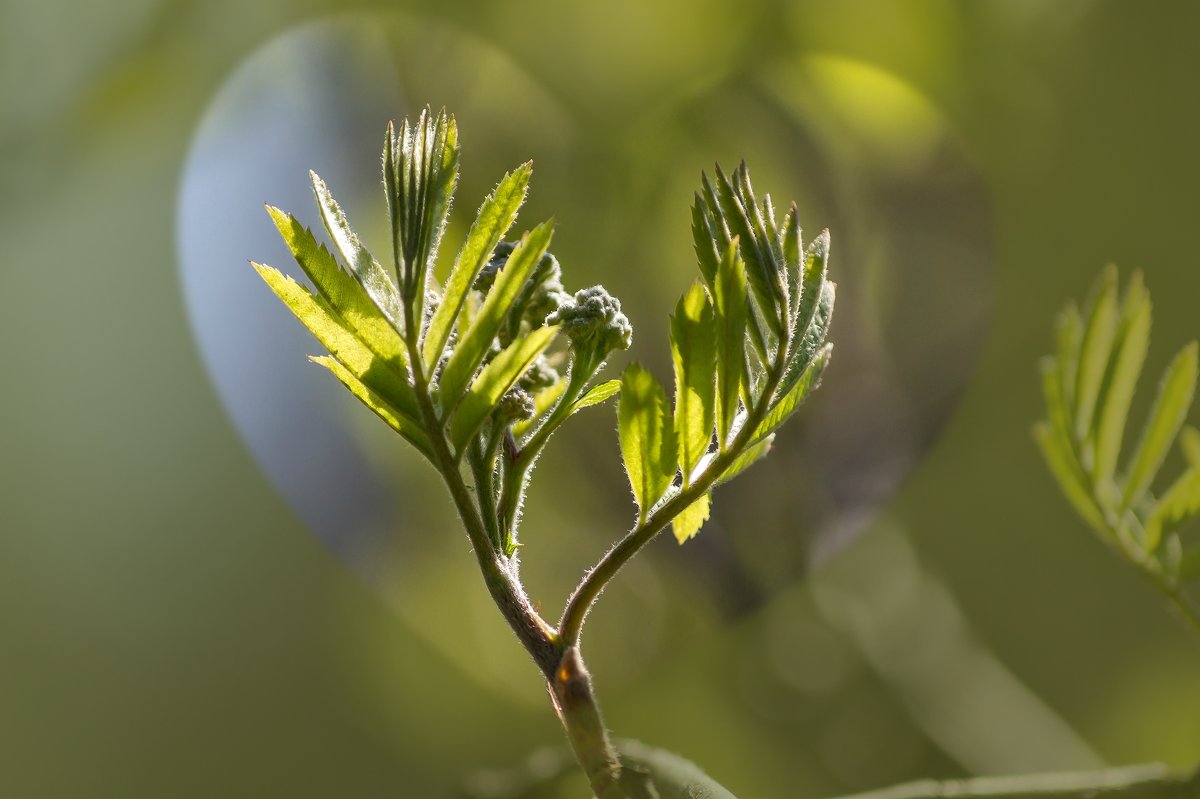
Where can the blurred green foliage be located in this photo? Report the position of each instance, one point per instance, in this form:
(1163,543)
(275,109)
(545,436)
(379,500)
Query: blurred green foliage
(169,627)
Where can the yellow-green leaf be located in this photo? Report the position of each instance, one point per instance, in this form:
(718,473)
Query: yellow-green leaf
(691,519)
(395,419)
(597,394)
(366,270)
(1065,468)
(1097,344)
(386,378)
(495,380)
(339,289)
(1166,417)
(1120,380)
(473,345)
(495,217)
(810,378)
(647,437)
(693,350)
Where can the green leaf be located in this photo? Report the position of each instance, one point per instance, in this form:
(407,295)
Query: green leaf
(339,289)
(794,261)
(814,268)
(366,270)
(749,456)
(1180,503)
(813,339)
(494,381)
(647,437)
(704,239)
(1097,344)
(473,345)
(495,217)
(1120,380)
(693,350)
(810,378)
(385,377)
(1066,470)
(395,419)
(1166,417)
(691,519)
(1189,442)
(1054,439)
(423,166)
(730,321)
(744,226)
(597,394)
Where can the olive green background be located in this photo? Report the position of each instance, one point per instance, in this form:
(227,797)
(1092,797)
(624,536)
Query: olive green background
(168,628)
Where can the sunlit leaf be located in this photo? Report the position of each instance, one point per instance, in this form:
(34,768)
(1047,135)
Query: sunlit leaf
(597,394)
(810,378)
(1166,417)
(394,418)
(810,343)
(1120,379)
(743,226)
(494,381)
(473,345)
(1180,503)
(691,519)
(1097,343)
(647,436)
(730,320)
(1054,439)
(495,217)
(794,260)
(385,377)
(704,238)
(339,289)
(693,350)
(370,275)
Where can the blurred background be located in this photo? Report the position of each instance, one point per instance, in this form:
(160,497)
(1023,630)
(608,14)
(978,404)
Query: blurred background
(220,576)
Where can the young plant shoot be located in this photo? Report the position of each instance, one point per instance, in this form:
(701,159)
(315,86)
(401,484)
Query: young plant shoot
(478,374)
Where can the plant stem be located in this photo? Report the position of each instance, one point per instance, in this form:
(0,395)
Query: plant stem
(585,594)
(538,637)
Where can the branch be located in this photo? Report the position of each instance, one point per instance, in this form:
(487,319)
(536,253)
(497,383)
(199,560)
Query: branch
(1153,781)
(585,594)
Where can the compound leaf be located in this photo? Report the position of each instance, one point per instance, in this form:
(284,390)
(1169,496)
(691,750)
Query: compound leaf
(1170,407)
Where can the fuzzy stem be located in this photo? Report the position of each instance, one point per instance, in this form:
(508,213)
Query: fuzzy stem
(585,594)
